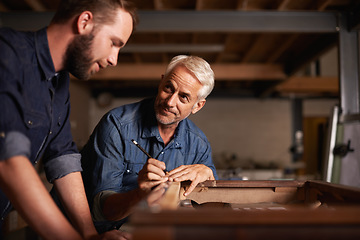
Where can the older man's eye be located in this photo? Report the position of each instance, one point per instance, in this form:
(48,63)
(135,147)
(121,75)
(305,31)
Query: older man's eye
(184,98)
(167,88)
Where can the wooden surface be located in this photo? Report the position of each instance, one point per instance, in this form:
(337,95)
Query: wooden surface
(256,210)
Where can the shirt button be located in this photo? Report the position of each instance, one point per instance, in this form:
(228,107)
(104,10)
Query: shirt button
(50,132)
(30,122)
(162,152)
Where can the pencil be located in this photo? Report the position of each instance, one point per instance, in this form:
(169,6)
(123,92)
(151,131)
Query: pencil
(143,150)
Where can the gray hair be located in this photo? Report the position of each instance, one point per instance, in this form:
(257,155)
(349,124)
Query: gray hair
(199,67)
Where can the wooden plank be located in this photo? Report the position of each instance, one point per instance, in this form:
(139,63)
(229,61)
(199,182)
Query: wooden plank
(249,183)
(171,197)
(320,216)
(334,193)
(236,72)
(309,85)
(309,218)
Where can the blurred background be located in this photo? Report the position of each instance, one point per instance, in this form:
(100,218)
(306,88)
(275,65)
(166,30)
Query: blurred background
(276,66)
(286,99)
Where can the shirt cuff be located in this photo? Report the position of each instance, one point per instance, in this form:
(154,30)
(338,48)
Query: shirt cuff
(61,166)
(98,203)
(14,144)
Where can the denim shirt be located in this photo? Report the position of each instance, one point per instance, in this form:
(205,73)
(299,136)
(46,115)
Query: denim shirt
(112,162)
(35,107)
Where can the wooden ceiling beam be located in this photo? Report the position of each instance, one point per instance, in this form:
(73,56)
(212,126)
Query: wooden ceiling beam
(283,5)
(242,5)
(323,5)
(3,8)
(203,21)
(318,47)
(36,5)
(309,85)
(254,46)
(236,72)
(282,48)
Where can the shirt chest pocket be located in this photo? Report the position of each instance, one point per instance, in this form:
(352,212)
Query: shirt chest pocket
(133,167)
(36,121)
(130,176)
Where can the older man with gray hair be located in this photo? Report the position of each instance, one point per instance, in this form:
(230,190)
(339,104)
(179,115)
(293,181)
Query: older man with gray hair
(117,175)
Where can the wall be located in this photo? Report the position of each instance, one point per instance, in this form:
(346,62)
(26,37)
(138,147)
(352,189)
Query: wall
(241,131)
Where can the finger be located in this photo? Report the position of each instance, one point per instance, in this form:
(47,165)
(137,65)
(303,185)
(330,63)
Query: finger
(146,185)
(186,174)
(157,163)
(126,235)
(150,176)
(116,235)
(178,172)
(152,184)
(156,167)
(191,187)
(156,171)
(178,169)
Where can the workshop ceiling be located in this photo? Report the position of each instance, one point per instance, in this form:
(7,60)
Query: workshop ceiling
(253,52)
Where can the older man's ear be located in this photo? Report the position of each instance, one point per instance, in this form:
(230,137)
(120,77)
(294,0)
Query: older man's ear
(199,105)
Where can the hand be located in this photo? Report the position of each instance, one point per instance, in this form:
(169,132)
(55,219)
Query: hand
(195,173)
(114,235)
(151,174)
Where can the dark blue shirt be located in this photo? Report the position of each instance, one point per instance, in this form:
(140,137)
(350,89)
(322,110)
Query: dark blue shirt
(35,106)
(112,162)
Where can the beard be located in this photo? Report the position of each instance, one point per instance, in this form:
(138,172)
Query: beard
(163,119)
(78,57)
(167,118)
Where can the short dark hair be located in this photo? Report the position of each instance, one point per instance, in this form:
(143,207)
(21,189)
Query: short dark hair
(103,10)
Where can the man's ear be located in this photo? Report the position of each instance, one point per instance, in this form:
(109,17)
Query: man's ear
(198,106)
(85,22)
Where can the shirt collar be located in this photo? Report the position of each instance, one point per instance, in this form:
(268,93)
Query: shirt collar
(43,54)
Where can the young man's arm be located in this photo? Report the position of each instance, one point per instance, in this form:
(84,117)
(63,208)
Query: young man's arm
(22,185)
(71,191)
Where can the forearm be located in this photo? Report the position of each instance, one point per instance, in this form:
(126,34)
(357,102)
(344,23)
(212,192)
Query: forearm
(22,185)
(71,191)
(121,205)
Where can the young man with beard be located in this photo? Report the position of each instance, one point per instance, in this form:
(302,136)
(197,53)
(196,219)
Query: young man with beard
(117,175)
(84,36)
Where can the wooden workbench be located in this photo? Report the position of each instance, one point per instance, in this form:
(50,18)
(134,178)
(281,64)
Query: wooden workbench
(253,210)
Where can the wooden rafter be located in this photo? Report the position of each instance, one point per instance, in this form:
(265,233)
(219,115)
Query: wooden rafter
(233,72)
(36,5)
(282,48)
(310,85)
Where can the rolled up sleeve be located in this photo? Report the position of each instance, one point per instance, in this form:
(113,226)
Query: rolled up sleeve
(61,166)
(14,144)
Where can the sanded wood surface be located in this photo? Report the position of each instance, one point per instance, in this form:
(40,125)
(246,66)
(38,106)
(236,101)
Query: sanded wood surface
(256,210)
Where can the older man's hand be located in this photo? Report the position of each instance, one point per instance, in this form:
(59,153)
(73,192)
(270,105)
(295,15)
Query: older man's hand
(152,174)
(195,173)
